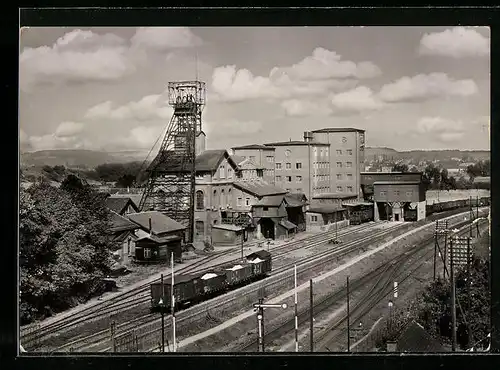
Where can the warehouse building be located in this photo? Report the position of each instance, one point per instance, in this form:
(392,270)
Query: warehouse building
(399,200)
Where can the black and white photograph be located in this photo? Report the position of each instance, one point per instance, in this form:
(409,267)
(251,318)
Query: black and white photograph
(254,189)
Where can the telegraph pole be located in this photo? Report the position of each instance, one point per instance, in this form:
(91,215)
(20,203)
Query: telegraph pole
(453,301)
(469,329)
(471,215)
(311,317)
(348,323)
(296,312)
(174,344)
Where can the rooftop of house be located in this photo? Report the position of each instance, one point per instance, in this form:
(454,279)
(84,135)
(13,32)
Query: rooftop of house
(160,223)
(117,204)
(270,201)
(208,161)
(297,143)
(120,223)
(334,196)
(258,188)
(338,129)
(253,146)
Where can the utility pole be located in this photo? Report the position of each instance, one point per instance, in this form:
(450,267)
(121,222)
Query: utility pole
(445,249)
(477,216)
(162,306)
(348,320)
(471,215)
(469,329)
(296,312)
(453,301)
(311,317)
(174,344)
(242,237)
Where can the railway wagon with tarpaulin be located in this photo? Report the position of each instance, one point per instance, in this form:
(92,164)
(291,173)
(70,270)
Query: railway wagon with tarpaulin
(359,212)
(187,289)
(261,262)
(213,282)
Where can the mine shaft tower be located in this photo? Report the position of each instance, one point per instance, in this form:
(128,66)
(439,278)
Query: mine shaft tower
(171,175)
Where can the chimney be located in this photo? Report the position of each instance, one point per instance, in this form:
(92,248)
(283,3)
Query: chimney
(150,227)
(308,136)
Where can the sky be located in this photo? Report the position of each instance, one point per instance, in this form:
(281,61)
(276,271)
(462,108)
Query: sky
(105,88)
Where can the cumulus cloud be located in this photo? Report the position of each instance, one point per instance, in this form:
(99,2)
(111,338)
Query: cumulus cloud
(140,137)
(359,99)
(326,64)
(148,108)
(302,108)
(458,42)
(52,141)
(443,129)
(66,129)
(323,72)
(423,87)
(78,56)
(165,38)
(232,128)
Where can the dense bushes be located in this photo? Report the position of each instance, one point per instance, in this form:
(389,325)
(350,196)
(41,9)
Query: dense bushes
(63,245)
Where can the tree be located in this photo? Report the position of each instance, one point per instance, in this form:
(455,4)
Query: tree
(400,167)
(482,168)
(431,177)
(126,181)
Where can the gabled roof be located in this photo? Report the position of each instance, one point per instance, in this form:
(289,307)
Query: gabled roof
(159,240)
(296,143)
(270,201)
(258,188)
(296,200)
(253,146)
(415,338)
(118,204)
(208,161)
(338,129)
(237,159)
(120,223)
(160,223)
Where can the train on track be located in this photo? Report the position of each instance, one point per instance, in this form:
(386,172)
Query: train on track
(194,288)
(456,204)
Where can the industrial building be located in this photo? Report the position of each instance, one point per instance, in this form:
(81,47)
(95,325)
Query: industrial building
(262,156)
(397,196)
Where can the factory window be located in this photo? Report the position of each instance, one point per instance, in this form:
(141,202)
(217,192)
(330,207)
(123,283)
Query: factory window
(396,192)
(349,189)
(222,198)
(278,178)
(265,208)
(321,152)
(339,164)
(349,164)
(339,152)
(221,172)
(238,201)
(298,165)
(278,166)
(349,151)
(326,152)
(349,176)
(299,178)
(247,201)
(147,253)
(270,158)
(382,193)
(339,188)
(289,178)
(200,200)
(288,166)
(339,176)
(260,173)
(314,218)
(409,193)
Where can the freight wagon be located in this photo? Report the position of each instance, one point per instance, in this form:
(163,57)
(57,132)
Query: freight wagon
(194,288)
(456,204)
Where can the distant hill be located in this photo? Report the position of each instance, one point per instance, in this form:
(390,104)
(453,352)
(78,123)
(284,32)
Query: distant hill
(78,158)
(426,155)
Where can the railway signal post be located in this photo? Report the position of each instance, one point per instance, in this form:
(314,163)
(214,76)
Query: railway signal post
(259,308)
(161,302)
(348,317)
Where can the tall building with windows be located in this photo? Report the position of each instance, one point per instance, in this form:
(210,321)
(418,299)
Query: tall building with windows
(302,167)
(346,157)
(262,156)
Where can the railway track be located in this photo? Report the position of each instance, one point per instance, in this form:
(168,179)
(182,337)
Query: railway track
(140,295)
(383,277)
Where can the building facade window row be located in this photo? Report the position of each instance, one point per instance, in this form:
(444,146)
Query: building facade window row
(288,165)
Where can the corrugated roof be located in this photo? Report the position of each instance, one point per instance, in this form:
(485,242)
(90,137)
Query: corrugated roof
(296,143)
(288,225)
(227,227)
(120,223)
(258,188)
(416,339)
(270,201)
(160,223)
(334,196)
(397,182)
(339,129)
(325,209)
(253,146)
(118,204)
(162,240)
